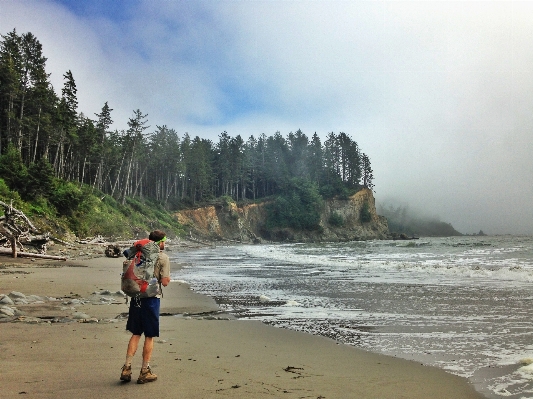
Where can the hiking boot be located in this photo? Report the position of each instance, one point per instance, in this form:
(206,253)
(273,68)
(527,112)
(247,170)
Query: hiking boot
(146,375)
(125,375)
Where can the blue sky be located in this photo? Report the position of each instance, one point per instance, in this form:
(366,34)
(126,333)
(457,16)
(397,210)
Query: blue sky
(439,95)
(116,10)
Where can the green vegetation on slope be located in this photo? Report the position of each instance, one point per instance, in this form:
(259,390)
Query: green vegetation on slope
(297,208)
(90,213)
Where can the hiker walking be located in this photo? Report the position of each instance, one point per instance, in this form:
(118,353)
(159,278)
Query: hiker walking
(146,267)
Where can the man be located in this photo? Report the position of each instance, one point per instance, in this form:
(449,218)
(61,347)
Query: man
(144,319)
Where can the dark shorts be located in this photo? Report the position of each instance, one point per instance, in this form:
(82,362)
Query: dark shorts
(144,319)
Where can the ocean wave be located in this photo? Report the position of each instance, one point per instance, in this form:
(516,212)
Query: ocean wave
(455,303)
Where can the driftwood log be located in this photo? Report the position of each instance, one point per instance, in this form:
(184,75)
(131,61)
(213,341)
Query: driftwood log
(6,251)
(16,229)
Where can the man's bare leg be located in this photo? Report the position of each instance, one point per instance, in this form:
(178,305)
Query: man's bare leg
(147,351)
(125,374)
(146,373)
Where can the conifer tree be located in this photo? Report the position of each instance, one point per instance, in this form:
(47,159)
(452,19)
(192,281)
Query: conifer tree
(315,159)
(134,144)
(10,86)
(102,126)
(368,176)
(32,75)
(67,122)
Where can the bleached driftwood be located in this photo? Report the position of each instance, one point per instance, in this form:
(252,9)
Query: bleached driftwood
(17,228)
(6,251)
(93,240)
(63,242)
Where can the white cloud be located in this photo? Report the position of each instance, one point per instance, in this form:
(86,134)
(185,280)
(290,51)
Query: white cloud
(438,94)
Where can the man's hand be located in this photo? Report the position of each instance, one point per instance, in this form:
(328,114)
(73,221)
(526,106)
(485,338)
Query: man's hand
(165,281)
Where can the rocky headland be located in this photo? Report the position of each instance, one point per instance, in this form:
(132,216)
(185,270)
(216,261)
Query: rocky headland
(246,223)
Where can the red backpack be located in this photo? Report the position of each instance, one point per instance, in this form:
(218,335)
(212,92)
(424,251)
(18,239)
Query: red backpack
(138,278)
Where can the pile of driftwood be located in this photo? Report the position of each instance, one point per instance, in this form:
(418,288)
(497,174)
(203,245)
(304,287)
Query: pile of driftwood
(16,230)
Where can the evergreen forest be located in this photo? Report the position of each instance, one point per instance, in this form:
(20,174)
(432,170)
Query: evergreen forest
(49,149)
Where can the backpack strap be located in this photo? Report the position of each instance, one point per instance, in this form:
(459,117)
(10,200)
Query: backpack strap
(138,245)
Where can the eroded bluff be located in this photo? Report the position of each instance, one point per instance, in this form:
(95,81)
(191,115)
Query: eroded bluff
(246,223)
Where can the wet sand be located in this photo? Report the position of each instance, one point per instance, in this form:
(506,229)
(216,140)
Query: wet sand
(47,352)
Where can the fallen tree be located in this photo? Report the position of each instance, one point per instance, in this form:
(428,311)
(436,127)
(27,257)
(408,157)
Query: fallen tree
(5,251)
(16,229)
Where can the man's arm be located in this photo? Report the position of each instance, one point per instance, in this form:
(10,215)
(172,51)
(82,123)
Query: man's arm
(164,272)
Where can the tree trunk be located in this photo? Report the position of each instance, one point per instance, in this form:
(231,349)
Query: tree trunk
(19,134)
(118,174)
(46,147)
(34,157)
(9,113)
(139,182)
(97,176)
(13,241)
(58,152)
(83,170)
(168,194)
(126,183)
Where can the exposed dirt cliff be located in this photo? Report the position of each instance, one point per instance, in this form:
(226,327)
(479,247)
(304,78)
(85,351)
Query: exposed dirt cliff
(246,223)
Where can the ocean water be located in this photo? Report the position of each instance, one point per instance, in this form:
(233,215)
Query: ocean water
(463,304)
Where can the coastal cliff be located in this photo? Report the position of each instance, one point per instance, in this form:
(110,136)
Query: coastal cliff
(246,223)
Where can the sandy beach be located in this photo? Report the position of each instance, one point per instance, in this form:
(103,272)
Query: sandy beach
(69,340)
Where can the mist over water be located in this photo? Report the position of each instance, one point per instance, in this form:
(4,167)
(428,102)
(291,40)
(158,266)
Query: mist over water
(463,304)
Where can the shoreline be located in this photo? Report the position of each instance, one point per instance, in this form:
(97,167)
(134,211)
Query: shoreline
(201,352)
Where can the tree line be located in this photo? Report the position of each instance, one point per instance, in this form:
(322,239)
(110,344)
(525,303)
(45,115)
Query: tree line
(44,136)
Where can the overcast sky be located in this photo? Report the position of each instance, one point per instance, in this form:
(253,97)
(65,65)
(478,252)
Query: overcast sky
(439,95)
